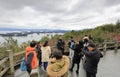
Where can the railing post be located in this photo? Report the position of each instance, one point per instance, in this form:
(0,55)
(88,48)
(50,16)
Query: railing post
(11,61)
(105,46)
(116,46)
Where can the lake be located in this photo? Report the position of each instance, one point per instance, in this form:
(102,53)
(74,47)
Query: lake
(30,37)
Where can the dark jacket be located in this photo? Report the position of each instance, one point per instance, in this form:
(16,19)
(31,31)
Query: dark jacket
(60,44)
(38,49)
(77,53)
(92,60)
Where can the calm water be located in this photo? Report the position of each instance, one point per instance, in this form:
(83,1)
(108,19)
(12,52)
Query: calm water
(30,37)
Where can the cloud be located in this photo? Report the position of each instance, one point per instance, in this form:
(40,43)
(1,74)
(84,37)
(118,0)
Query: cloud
(58,14)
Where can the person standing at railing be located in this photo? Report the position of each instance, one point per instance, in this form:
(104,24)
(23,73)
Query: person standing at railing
(93,56)
(31,57)
(46,52)
(61,45)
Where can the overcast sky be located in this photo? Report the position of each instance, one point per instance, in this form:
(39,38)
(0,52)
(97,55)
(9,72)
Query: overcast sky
(58,14)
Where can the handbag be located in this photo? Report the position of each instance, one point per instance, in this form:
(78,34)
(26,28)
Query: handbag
(23,66)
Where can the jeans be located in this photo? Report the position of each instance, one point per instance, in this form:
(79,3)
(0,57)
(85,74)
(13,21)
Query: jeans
(45,64)
(71,53)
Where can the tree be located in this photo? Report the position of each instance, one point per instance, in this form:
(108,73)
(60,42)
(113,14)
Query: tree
(118,24)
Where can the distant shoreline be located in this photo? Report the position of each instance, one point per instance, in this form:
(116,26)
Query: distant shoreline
(29,37)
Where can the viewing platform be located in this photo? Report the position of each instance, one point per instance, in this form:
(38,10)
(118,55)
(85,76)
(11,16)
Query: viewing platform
(108,67)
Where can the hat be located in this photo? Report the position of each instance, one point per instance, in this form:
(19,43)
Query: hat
(91,45)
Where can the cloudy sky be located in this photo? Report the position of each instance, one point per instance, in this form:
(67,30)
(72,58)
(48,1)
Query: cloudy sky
(58,14)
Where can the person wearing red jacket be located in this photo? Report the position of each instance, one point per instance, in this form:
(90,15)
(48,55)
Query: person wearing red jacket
(31,57)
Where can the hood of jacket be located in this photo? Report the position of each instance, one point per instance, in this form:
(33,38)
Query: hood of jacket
(58,68)
(58,64)
(30,49)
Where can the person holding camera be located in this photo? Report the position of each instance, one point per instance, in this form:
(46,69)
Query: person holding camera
(92,55)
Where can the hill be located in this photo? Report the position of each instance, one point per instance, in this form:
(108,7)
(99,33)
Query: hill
(99,34)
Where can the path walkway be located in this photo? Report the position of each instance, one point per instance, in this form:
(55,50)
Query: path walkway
(109,66)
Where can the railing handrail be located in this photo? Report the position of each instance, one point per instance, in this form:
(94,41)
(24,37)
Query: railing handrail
(6,59)
(16,54)
(3,60)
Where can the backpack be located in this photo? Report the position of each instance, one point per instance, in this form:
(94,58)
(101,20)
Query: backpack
(72,45)
(23,66)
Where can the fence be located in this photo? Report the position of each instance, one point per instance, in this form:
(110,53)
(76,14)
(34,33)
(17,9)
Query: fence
(10,61)
(14,59)
(108,45)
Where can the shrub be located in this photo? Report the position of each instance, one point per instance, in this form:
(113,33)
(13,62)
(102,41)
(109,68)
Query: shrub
(45,38)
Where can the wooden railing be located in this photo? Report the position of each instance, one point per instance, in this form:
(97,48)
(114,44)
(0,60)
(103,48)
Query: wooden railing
(14,59)
(10,62)
(108,45)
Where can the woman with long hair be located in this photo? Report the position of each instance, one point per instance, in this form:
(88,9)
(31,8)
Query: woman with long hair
(46,51)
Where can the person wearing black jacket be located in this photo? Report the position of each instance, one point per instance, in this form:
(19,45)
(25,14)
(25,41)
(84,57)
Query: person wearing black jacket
(38,49)
(93,56)
(61,45)
(77,56)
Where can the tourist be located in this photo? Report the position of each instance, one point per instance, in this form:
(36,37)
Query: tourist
(31,57)
(90,37)
(86,40)
(46,51)
(77,56)
(61,45)
(93,56)
(58,66)
(38,49)
(71,45)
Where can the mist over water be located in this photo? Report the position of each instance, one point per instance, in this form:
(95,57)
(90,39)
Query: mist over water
(30,37)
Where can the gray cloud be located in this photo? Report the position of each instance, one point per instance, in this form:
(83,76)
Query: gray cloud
(58,5)
(40,5)
(66,14)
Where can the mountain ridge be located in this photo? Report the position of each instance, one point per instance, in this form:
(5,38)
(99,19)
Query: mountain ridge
(25,29)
